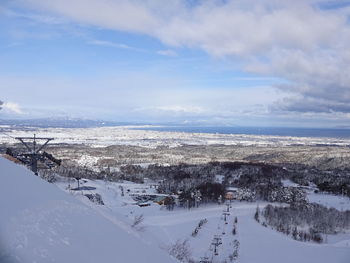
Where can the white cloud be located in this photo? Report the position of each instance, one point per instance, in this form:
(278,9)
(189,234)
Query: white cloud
(114,45)
(40,18)
(173,109)
(167,52)
(108,44)
(240,27)
(121,14)
(12,107)
(296,40)
(182,109)
(152,94)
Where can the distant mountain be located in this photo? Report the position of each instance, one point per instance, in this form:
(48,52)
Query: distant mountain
(61,123)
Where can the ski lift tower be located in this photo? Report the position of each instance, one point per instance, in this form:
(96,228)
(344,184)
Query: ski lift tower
(35,153)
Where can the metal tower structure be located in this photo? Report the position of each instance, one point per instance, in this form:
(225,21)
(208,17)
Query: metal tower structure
(217,241)
(34,154)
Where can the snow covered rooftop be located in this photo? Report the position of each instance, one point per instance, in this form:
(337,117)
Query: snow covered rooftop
(41,223)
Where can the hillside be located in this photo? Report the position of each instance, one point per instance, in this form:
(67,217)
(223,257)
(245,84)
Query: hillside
(41,223)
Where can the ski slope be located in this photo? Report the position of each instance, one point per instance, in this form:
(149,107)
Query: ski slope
(41,223)
(258,244)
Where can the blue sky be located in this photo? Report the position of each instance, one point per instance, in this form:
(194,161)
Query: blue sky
(257,63)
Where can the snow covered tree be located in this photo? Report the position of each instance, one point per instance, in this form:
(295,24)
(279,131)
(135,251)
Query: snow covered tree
(257,214)
(234,230)
(234,255)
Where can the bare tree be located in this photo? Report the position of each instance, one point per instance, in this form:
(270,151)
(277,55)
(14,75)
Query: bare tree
(138,219)
(181,251)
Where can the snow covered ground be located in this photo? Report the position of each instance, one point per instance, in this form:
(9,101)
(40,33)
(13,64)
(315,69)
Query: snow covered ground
(330,200)
(126,135)
(41,223)
(163,228)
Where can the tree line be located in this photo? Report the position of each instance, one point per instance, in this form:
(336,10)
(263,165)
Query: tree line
(304,221)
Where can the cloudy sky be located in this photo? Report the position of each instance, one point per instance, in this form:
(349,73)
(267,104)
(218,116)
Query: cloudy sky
(230,62)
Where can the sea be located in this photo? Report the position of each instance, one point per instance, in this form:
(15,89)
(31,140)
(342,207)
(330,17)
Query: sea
(273,131)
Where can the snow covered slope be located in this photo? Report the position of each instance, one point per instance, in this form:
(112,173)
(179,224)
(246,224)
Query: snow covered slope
(41,223)
(258,244)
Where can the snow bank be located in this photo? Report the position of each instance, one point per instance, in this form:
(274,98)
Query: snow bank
(41,223)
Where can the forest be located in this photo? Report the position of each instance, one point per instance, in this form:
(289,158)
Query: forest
(304,221)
